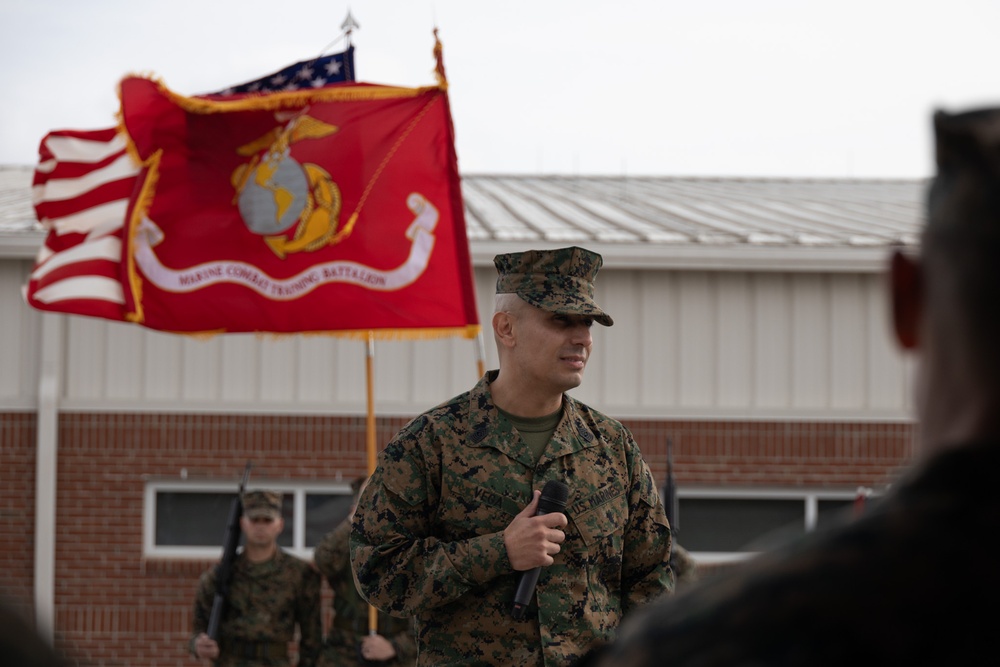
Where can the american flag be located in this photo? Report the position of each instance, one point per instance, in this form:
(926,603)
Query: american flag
(322,71)
(82,189)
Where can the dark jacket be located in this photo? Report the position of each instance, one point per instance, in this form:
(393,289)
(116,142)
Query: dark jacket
(913,581)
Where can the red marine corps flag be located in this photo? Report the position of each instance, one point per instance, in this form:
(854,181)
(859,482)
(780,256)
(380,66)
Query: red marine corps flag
(328,209)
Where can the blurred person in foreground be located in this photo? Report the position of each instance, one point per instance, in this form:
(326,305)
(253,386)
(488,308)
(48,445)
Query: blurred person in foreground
(269,594)
(448,523)
(349,641)
(21,645)
(873,591)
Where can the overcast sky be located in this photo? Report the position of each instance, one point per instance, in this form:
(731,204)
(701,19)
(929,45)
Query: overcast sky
(797,88)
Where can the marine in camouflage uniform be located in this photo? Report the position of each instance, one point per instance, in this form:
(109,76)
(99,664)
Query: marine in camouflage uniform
(267,598)
(913,580)
(429,533)
(350,611)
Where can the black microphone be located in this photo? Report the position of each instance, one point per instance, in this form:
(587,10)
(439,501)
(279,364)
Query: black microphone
(553,499)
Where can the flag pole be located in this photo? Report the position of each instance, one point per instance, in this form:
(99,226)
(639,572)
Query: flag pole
(370,381)
(370,443)
(348,26)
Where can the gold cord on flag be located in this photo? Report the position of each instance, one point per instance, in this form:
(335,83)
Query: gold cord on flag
(381,167)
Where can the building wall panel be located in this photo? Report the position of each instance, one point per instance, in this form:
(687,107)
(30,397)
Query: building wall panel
(848,349)
(888,376)
(349,371)
(278,366)
(199,368)
(315,369)
(240,368)
(658,367)
(162,367)
(772,335)
(810,356)
(685,343)
(440,367)
(616,349)
(86,359)
(736,341)
(125,348)
(19,329)
(394,368)
(11,333)
(697,341)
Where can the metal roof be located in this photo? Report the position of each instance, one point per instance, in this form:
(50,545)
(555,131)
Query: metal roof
(691,210)
(720,223)
(16,212)
(652,221)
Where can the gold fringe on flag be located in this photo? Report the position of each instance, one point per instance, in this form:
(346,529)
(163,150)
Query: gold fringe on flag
(142,203)
(469,331)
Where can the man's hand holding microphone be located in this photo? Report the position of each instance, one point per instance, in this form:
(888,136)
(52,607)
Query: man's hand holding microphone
(534,537)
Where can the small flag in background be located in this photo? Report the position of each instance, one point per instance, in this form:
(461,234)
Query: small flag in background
(334,68)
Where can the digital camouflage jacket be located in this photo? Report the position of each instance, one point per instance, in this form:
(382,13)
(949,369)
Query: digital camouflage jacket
(266,601)
(427,537)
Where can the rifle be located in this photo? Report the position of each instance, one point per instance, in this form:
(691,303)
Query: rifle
(224,570)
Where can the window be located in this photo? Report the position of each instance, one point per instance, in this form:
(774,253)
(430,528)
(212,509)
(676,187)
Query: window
(719,525)
(188,520)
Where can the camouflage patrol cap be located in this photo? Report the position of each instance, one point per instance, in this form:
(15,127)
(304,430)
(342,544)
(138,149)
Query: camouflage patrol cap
(262,503)
(559,281)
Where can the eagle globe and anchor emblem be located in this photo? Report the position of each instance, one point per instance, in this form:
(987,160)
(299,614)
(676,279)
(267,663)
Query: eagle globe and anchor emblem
(275,193)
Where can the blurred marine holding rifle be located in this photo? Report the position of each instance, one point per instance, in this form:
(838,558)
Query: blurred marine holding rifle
(269,592)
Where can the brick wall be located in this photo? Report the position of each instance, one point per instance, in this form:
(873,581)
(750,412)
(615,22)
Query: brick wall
(841,455)
(17,511)
(113,607)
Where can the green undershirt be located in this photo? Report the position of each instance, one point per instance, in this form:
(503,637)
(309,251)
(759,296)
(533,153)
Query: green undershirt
(536,431)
